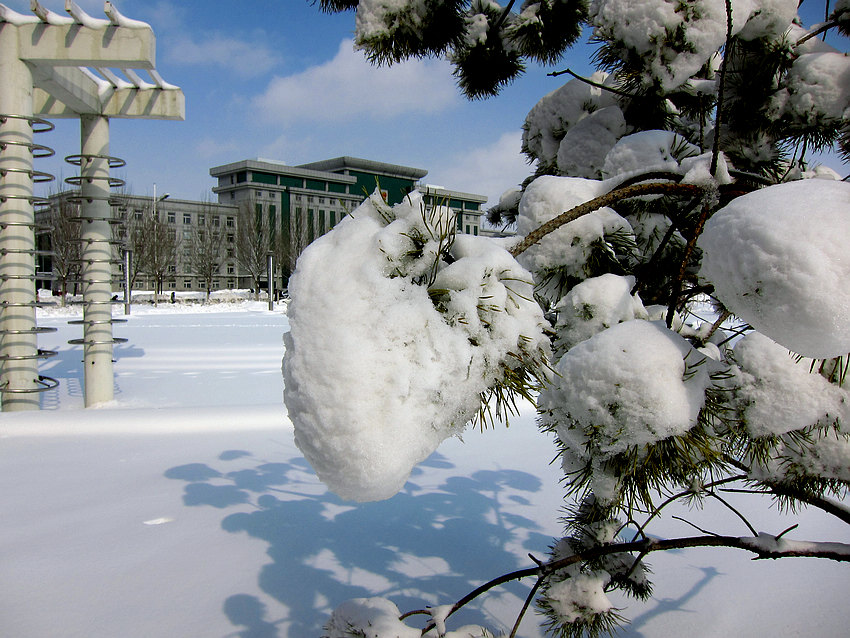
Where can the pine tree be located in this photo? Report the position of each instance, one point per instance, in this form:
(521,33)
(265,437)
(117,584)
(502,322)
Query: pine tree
(681,250)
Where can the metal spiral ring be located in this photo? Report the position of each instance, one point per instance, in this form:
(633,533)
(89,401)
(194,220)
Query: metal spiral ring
(37,150)
(37,176)
(46,125)
(47,383)
(78,158)
(77,180)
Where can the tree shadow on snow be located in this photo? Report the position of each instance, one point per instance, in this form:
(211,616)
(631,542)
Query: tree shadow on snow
(426,545)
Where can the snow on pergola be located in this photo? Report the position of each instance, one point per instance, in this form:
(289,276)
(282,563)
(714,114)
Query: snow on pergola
(58,66)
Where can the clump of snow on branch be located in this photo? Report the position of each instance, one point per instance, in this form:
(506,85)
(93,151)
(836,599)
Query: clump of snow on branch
(640,383)
(817,89)
(396,333)
(570,246)
(594,305)
(648,151)
(778,259)
(573,119)
(370,617)
(579,597)
(778,393)
(379,618)
(676,39)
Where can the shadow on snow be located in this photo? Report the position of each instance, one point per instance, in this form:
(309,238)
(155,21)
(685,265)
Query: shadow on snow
(424,546)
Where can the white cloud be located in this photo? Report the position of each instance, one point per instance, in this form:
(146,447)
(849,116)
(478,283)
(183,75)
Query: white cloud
(489,170)
(242,57)
(349,87)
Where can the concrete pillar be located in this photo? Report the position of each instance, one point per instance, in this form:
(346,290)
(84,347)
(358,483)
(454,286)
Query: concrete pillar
(18,348)
(96,235)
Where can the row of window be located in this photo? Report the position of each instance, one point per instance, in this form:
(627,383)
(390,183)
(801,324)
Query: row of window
(188,284)
(171,218)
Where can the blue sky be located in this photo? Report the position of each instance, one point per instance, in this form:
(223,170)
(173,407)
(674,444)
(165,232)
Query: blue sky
(278,79)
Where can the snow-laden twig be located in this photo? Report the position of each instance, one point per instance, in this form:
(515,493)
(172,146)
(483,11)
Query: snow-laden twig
(612,197)
(762,544)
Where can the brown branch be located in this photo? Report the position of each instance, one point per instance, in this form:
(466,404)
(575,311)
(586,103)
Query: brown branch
(598,85)
(616,195)
(813,34)
(718,119)
(763,546)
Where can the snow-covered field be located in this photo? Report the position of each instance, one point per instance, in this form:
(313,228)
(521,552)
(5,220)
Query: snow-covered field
(183,509)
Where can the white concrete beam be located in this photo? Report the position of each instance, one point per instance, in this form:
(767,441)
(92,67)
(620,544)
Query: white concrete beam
(69,85)
(145,104)
(77,45)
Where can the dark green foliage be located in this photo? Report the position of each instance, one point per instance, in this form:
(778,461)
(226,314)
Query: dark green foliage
(411,34)
(337,6)
(551,27)
(485,65)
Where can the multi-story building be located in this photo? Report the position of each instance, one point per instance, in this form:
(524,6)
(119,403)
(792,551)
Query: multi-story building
(303,202)
(292,205)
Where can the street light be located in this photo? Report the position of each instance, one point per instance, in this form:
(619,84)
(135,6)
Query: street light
(156,199)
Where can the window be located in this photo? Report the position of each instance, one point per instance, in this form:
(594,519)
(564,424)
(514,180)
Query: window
(215,283)
(172,218)
(201,235)
(202,219)
(137,215)
(187,218)
(231,283)
(332,218)
(187,283)
(321,200)
(172,268)
(216,221)
(229,222)
(187,235)
(230,253)
(172,284)
(231,269)
(230,238)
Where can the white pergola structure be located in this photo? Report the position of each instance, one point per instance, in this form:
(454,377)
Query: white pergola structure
(66,66)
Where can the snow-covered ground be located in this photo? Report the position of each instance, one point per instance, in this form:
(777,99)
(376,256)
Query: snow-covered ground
(183,509)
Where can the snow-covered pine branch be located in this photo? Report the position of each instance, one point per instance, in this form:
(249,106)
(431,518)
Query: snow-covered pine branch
(676,300)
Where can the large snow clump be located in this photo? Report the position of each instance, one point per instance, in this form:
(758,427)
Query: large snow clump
(630,386)
(391,347)
(778,259)
(777,394)
(677,38)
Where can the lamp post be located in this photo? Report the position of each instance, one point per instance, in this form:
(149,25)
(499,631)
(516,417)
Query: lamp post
(156,200)
(270,269)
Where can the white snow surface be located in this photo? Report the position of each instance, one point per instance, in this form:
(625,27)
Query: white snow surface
(778,259)
(185,509)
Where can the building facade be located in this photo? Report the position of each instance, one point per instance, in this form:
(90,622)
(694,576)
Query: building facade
(289,206)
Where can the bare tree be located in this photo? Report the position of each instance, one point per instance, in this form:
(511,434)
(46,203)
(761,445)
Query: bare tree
(155,244)
(253,242)
(206,256)
(66,247)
